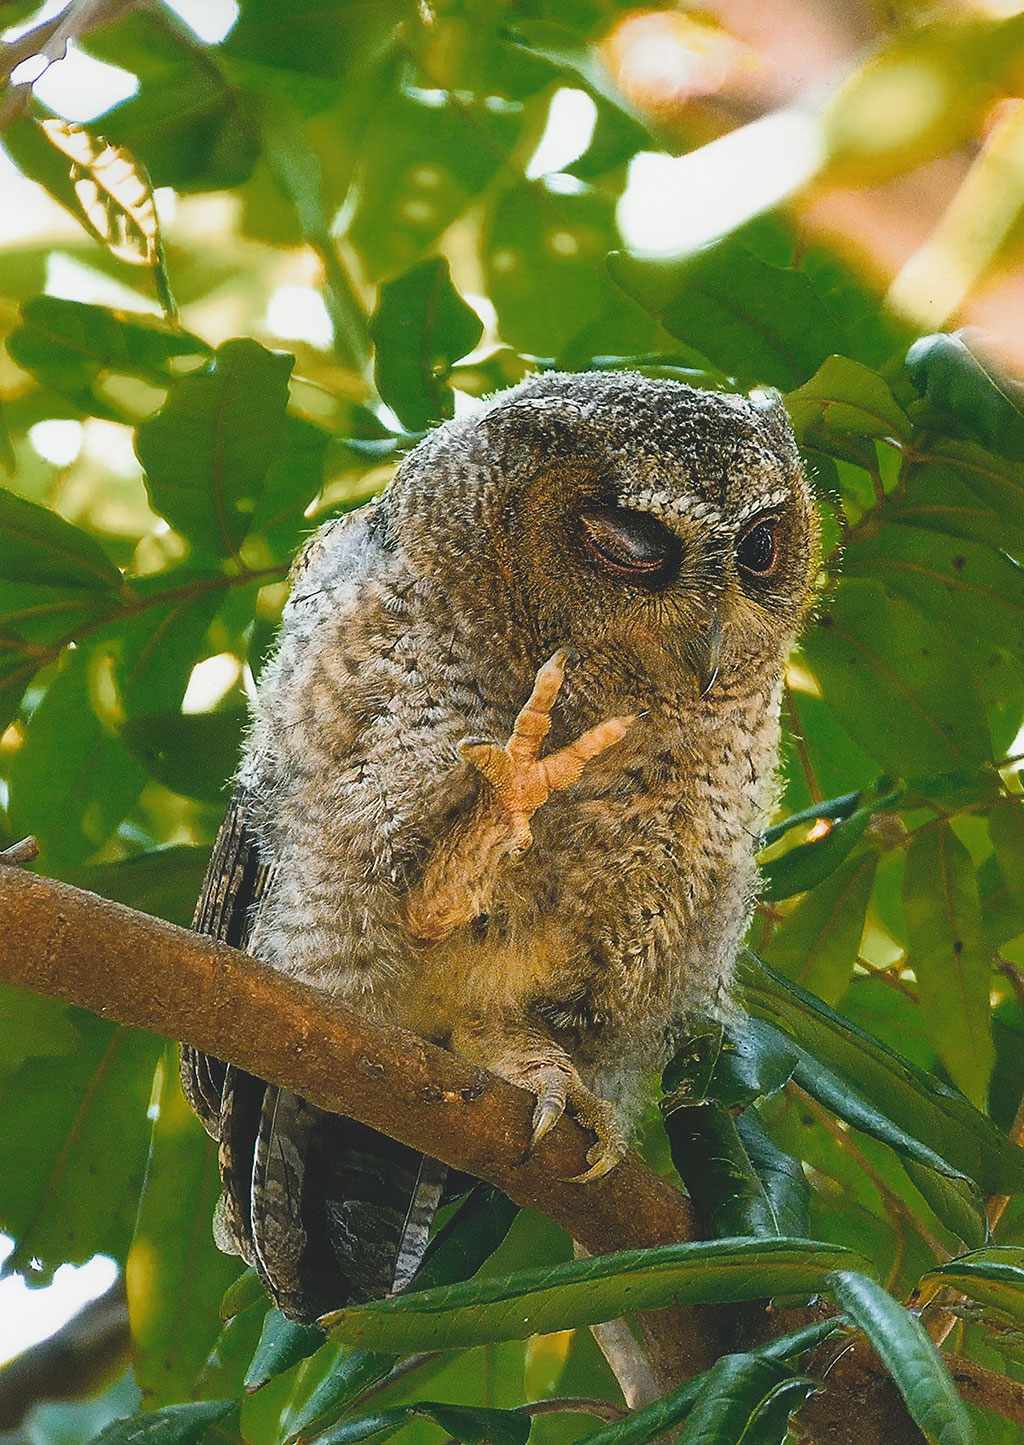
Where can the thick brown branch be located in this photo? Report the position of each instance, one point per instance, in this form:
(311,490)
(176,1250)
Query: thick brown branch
(72,945)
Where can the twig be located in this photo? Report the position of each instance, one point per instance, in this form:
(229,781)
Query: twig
(575,1405)
(25,851)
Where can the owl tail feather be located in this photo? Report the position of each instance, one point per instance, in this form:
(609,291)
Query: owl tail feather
(329,1211)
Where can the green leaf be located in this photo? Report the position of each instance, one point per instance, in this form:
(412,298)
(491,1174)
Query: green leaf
(37,545)
(32,1027)
(808,865)
(971,391)
(190,128)
(993,1276)
(71,347)
(759,323)
(818,943)
(728,1063)
(73,1147)
(207,451)
(782,1177)
(966,587)
(543,248)
(161,636)
(947,951)
(192,1424)
(955,1201)
(282,1344)
(907,1352)
(1006,830)
(175,1275)
(294,479)
(194,754)
(73,809)
(314,39)
(722,1183)
(245,1291)
(836,810)
(900,1098)
(420,328)
(737,1390)
(926,716)
(426,156)
(651,1422)
(586,1292)
(470,1424)
(845,399)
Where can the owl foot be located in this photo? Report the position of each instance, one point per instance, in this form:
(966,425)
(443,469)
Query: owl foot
(520,780)
(557,1089)
(461,874)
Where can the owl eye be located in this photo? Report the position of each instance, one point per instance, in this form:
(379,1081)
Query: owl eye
(757,551)
(632,545)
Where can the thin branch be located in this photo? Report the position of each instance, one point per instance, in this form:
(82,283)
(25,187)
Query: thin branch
(72,945)
(575,1405)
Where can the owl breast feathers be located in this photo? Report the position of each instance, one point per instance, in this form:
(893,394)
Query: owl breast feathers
(504,781)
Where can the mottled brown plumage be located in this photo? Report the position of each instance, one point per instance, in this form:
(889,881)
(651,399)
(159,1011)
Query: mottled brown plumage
(665,539)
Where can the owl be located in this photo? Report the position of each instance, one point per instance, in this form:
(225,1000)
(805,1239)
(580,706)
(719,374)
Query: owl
(503,785)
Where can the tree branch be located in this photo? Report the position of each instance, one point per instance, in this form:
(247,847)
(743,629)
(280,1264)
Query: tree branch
(69,944)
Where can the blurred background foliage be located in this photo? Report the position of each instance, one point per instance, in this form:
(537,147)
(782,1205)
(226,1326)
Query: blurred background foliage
(231,300)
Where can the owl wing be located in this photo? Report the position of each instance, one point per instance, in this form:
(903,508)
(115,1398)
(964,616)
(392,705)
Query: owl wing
(328,1211)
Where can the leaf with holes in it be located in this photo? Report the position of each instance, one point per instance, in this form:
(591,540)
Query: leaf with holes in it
(114,194)
(946,950)
(420,328)
(207,451)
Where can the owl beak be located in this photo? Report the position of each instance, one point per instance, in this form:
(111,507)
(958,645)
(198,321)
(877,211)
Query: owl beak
(707,656)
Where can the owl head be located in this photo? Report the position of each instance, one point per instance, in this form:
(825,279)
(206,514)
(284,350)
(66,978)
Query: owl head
(662,524)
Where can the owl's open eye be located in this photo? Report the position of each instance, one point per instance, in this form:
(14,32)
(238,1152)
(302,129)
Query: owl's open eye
(634,546)
(757,551)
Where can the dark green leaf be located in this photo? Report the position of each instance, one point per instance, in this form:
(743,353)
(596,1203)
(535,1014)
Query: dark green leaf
(926,715)
(244,1292)
(195,754)
(810,864)
(836,810)
(586,1292)
(911,1103)
(471,1424)
(757,322)
(735,1391)
(970,390)
(314,38)
(954,1201)
(420,328)
(947,951)
(294,479)
(190,128)
(993,1276)
(818,943)
(722,1183)
(282,1344)
(32,1027)
(37,545)
(176,1425)
(845,399)
(903,1344)
(71,347)
(729,1063)
(176,1275)
(160,638)
(782,1178)
(73,1147)
(207,451)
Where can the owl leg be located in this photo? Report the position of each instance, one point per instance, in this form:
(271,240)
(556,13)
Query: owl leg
(534,1061)
(461,873)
